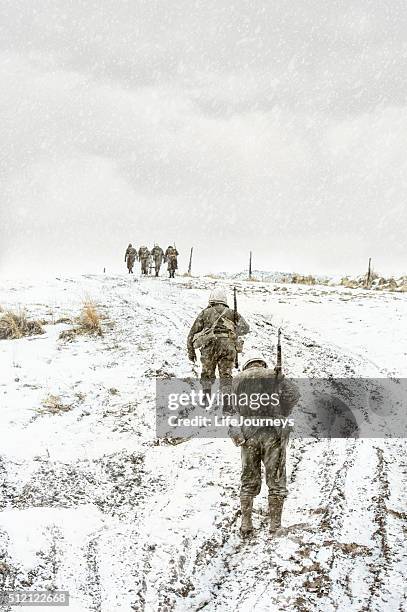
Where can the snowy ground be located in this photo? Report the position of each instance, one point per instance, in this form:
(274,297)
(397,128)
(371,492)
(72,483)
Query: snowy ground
(91,503)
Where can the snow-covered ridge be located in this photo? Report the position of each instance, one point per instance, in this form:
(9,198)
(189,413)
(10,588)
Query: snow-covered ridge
(92,503)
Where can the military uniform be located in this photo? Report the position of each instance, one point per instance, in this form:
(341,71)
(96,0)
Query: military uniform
(265,445)
(170,257)
(220,349)
(129,257)
(144,255)
(158,256)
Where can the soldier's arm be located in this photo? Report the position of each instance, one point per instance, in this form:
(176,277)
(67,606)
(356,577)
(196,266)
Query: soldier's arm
(197,326)
(235,431)
(242,326)
(290,395)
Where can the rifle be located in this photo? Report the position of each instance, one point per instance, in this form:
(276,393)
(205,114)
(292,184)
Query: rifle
(235,321)
(278,366)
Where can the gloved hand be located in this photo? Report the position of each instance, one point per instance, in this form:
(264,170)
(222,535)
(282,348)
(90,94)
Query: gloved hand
(192,356)
(278,374)
(238,440)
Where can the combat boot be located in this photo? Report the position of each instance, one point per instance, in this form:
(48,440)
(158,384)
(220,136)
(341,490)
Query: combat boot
(246,506)
(276,503)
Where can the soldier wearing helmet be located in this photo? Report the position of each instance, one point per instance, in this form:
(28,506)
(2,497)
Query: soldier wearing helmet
(129,257)
(215,333)
(171,257)
(263,444)
(158,255)
(144,256)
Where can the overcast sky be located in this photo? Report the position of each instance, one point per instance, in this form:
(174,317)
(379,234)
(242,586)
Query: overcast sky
(269,125)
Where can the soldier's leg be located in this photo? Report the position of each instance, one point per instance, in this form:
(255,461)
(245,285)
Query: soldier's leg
(226,361)
(208,361)
(251,468)
(274,458)
(250,482)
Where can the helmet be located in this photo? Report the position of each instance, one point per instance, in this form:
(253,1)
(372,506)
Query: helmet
(218,296)
(252,356)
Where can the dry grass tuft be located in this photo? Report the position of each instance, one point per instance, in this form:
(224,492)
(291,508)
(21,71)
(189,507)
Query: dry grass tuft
(89,322)
(299,279)
(16,325)
(53,405)
(90,319)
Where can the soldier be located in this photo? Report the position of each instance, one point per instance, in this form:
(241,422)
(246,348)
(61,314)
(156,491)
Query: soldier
(130,257)
(170,257)
(144,255)
(215,332)
(158,256)
(266,444)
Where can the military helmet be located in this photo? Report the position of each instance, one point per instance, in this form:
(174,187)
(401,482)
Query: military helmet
(218,296)
(251,357)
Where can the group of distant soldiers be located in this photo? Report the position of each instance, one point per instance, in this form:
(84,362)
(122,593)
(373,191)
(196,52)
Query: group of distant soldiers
(152,259)
(215,333)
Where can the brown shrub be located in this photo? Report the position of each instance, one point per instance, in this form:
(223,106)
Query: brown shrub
(90,319)
(89,322)
(17,325)
(53,405)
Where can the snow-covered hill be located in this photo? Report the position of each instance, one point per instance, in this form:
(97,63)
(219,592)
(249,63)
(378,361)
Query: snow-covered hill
(91,502)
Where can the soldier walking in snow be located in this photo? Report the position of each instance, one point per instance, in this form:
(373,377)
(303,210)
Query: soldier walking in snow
(158,256)
(215,333)
(129,257)
(260,444)
(144,255)
(170,257)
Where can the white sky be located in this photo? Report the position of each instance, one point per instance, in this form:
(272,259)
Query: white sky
(275,126)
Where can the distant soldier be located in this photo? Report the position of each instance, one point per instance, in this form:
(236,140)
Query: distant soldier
(144,256)
(130,257)
(170,257)
(158,256)
(266,444)
(215,333)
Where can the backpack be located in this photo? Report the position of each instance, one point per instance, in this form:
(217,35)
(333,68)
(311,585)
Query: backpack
(204,337)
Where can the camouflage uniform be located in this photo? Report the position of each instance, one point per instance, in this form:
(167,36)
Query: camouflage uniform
(158,256)
(170,257)
(129,257)
(144,255)
(264,444)
(220,351)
